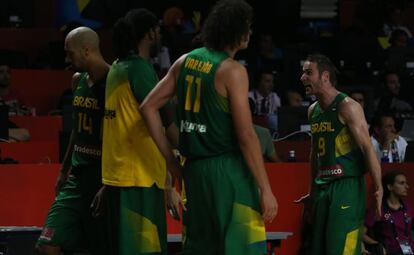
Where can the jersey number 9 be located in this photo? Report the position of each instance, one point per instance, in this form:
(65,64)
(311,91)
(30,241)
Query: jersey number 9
(321,146)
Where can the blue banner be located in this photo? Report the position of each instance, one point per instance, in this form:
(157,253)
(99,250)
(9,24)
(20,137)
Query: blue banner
(70,11)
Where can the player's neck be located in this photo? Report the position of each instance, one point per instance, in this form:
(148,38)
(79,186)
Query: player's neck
(144,50)
(327,97)
(98,71)
(231,52)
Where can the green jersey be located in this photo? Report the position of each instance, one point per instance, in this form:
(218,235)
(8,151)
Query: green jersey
(130,156)
(203,116)
(337,153)
(88,110)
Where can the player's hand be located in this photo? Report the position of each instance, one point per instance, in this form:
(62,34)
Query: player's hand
(378,201)
(97,205)
(61,180)
(174,202)
(363,250)
(269,205)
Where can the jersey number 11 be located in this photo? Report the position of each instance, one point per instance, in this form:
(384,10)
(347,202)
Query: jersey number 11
(188,98)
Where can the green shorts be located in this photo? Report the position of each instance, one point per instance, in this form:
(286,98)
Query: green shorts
(137,223)
(69,223)
(223,213)
(338,214)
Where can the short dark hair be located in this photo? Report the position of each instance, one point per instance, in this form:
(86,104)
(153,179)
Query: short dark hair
(128,31)
(396,34)
(227,23)
(389,179)
(357,91)
(262,71)
(388,72)
(325,64)
(377,120)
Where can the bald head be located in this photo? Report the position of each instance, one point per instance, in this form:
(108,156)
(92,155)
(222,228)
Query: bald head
(82,48)
(83,37)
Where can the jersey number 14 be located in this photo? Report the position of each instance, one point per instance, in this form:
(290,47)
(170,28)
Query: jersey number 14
(84,123)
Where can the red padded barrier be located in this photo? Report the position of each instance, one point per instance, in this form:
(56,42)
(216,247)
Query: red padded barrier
(31,152)
(43,128)
(301,148)
(26,192)
(39,88)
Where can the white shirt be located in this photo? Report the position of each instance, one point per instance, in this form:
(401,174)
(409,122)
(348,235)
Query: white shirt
(162,59)
(400,145)
(271,103)
(388,29)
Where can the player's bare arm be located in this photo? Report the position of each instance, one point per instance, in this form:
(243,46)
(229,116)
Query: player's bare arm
(232,76)
(312,155)
(149,109)
(351,114)
(66,163)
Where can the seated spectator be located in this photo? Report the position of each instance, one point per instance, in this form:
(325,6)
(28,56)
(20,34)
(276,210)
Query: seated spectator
(177,32)
(265,55)
(393,230)
(359,96)
(265,139)
(390,100)
(399,53)
(161,61)
(395,21)
(266,144)
(385,139)
(266,101)
(398,39)
(15,107)
(294,98)
(14,133)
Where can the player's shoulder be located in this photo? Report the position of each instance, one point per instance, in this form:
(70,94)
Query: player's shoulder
(76,78)
(231,68)
(137,64)
(350,110)
(232,64)
(180,61)
(349,104)
(311,108)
